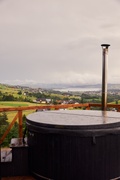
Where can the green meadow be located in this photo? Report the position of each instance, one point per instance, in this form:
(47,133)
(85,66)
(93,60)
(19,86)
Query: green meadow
(12,114)
(15,104)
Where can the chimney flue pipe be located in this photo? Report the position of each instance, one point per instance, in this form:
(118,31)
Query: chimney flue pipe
(104,76)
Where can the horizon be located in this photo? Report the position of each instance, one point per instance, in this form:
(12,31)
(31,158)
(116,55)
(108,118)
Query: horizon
(57,86)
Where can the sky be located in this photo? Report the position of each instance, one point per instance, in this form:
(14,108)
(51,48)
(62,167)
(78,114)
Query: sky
(58,41)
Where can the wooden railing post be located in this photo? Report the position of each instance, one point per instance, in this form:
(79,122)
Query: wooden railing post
(88,107)
(20,123)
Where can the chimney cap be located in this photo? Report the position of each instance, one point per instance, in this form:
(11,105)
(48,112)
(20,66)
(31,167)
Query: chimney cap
(105,45)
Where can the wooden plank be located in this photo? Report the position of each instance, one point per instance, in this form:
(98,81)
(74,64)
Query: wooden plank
(108,105)
(20,124)
(44,107)
(87,105)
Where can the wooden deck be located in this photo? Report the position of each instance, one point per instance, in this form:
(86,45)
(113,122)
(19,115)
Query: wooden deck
(18,178)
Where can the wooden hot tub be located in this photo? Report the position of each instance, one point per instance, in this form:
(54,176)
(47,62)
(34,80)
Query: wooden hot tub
(74,145)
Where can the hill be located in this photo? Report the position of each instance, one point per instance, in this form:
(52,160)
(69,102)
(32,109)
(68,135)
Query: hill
(61,85)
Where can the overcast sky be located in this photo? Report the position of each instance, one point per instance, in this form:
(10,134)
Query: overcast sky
(58,41)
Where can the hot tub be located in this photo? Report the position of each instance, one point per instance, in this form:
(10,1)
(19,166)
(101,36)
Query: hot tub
(74,145)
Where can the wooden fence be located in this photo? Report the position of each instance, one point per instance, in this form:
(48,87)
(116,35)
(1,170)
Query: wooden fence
(19,113)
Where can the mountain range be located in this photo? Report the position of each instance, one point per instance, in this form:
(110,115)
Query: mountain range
(57,86)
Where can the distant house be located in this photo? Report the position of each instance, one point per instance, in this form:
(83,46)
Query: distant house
(48,101)
(25,93)
(43,100)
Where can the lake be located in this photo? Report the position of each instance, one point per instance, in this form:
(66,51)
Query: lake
(77,89)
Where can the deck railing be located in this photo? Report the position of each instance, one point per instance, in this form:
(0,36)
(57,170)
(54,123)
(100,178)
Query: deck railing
(19,113)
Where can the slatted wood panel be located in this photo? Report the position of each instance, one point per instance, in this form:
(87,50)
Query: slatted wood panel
(18,178)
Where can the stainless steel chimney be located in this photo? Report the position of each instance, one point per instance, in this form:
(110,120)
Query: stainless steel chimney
(104,76)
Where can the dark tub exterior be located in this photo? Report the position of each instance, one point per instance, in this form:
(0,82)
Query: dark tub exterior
(74,145)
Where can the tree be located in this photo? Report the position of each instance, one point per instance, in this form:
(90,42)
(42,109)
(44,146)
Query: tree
(3,123)
(8,97)
(19,92)
(3,119)
(82,100)
(24,122)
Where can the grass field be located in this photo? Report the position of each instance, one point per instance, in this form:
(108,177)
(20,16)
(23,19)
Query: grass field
(8,90)
(12,114)
(13,91)
(16,104)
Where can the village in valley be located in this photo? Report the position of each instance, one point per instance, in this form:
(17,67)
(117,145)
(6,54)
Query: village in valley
(51,96)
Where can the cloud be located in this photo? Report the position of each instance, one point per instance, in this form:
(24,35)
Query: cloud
(19,82)
(51,41)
